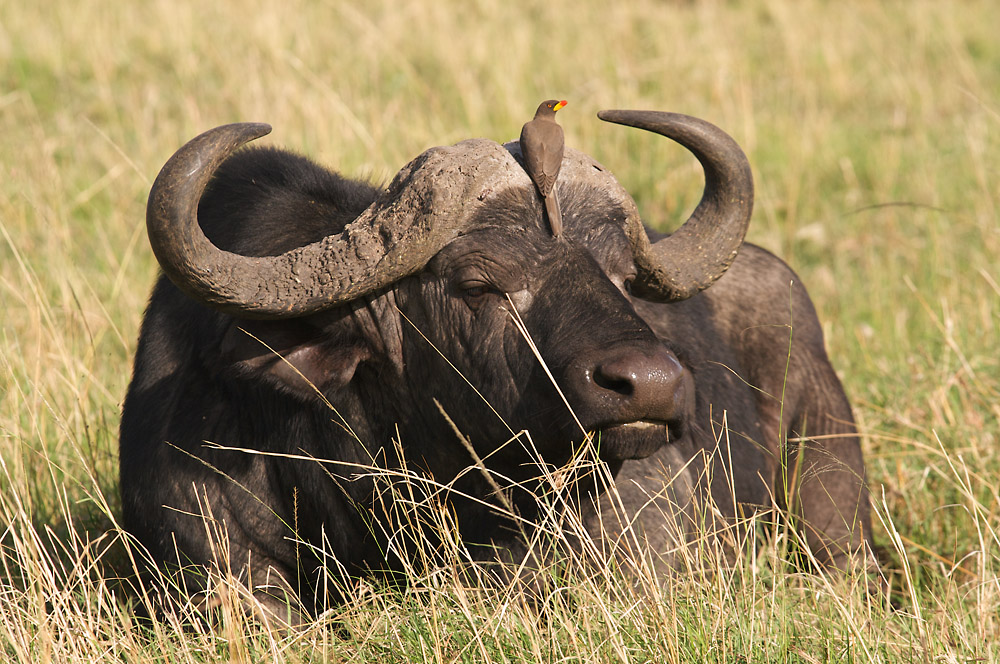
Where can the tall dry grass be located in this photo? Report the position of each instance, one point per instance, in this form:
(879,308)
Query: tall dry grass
(873,131)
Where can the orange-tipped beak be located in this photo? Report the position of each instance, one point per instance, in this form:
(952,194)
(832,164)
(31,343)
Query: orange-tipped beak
(559,105)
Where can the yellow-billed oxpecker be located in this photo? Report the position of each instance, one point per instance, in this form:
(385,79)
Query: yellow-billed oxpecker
(542,148)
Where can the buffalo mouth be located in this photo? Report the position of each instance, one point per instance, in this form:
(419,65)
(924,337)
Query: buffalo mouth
(634,440)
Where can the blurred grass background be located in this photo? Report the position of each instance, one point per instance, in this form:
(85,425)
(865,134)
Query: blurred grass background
(874,134)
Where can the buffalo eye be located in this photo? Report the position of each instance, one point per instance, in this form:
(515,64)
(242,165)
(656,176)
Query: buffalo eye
(475,293)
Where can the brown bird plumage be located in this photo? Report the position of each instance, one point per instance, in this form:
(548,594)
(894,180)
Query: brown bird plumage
(542,148)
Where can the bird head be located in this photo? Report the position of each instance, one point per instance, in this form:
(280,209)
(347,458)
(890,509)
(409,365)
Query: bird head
(549,106)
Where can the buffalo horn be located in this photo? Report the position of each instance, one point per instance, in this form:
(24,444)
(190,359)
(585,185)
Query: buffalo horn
(427,205)
(700,251)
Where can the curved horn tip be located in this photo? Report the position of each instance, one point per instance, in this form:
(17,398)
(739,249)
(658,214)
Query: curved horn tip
(254,129)
(237,132)
(217,143)
(617,116)
(700,251)
(258,129)
(656,121)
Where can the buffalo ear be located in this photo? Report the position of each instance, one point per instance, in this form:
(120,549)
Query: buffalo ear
(292,355)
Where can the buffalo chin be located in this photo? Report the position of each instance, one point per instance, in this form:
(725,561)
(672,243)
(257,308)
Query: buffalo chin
(632,440)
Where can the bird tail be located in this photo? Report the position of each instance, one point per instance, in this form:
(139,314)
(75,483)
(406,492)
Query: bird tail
(553,212)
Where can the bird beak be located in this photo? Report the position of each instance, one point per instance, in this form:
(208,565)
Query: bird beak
(559,105)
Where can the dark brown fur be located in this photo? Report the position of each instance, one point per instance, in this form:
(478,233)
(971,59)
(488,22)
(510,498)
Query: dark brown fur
(750,346)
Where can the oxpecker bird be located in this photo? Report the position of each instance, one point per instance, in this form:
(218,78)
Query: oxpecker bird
(542,148)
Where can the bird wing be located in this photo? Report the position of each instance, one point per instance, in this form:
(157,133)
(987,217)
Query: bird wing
(542,145)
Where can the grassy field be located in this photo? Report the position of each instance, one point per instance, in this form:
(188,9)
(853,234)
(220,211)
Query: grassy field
(874,133)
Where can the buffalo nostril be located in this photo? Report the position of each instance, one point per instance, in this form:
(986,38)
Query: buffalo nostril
(616,379)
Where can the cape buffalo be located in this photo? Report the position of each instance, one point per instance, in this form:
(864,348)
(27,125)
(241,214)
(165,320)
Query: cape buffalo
(308,327)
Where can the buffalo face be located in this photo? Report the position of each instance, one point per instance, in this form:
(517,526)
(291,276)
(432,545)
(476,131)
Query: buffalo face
(490,295)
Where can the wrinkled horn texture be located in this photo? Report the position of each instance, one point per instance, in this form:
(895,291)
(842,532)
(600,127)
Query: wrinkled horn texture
(702,249)
(428,204)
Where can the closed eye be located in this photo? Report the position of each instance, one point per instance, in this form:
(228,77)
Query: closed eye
(476,293)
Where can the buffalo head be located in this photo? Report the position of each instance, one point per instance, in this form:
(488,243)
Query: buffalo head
(462,214)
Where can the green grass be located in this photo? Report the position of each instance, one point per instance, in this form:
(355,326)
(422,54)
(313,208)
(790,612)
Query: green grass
(874,133)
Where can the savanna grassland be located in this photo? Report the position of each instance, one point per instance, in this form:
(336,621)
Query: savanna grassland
(874,134)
